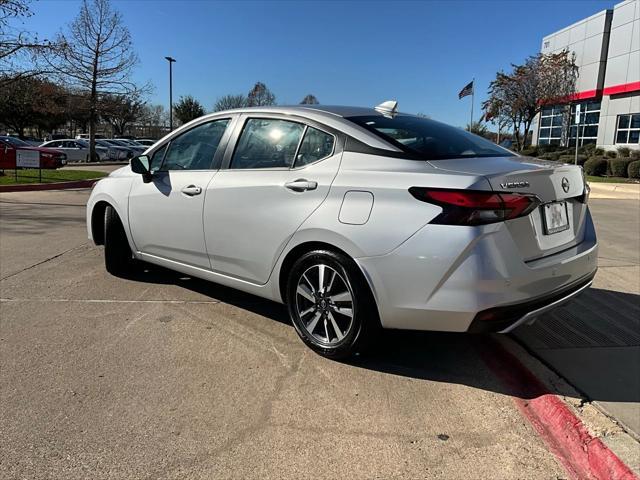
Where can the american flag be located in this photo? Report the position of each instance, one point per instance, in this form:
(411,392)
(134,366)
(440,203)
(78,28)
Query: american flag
(468,90)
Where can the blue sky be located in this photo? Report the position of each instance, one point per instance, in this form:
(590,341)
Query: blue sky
(351,53)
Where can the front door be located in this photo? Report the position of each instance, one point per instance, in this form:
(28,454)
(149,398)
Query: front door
(280,172)
(165,215)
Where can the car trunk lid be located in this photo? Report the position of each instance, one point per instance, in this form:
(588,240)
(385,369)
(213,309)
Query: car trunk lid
(535,235)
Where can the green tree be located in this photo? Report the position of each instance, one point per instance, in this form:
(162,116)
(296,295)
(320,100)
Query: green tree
(260,95)
(515,98)
(187,109)
(309,100)
(27,102)
(119,111)
(478,128)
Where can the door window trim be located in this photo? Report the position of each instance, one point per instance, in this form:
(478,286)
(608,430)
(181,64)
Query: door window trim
(216,161)
(338,139)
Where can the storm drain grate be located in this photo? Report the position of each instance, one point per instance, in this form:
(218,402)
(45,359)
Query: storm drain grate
(596,319)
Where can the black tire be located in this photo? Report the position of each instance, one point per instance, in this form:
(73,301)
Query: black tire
(118,258)
(358,332)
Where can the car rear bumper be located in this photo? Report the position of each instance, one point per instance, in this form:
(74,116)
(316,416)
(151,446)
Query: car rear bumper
(506,318)
(444,277)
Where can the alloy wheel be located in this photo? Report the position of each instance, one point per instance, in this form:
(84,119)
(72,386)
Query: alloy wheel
(324,304)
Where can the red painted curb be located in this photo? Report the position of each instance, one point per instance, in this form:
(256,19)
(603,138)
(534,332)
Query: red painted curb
(28,187)
(582,455)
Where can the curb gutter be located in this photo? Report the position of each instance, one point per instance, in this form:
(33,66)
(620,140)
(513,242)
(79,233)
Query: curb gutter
(582,455)
(29,187)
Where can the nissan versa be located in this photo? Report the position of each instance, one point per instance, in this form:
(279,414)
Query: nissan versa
(356,218)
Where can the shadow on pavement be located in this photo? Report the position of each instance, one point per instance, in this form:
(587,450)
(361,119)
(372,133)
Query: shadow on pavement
(571,340)
(594,343)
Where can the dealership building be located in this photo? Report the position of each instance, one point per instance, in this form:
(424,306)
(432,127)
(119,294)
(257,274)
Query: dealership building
(607,52)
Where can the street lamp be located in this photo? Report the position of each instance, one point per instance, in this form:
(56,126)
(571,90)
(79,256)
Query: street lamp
(170,60)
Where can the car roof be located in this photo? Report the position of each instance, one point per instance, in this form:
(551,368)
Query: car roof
(335,110)
(331,115)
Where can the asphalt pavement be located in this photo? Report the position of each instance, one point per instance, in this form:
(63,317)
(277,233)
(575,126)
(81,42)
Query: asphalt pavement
(166,376)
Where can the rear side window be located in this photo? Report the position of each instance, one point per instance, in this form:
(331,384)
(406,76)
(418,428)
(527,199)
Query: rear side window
(315,146)
(267,143)
(428,139)
(194,149)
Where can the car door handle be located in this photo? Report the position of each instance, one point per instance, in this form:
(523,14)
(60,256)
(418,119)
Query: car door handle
(192,190)
(301,185)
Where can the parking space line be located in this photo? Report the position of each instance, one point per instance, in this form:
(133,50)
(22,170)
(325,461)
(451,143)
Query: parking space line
(85,300)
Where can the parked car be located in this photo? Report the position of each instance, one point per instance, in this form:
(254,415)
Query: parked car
(125,142)
(9,147)
(147,142)
(34,142)
(115,152)
(85,136)
(77,150)
(355,218)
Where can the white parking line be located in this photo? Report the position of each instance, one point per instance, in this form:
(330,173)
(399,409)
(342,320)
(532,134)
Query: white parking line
(72,300)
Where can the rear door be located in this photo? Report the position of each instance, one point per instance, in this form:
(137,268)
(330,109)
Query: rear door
(165,215)
(278,172)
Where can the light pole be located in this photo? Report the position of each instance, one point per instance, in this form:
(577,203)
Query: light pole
(171,60)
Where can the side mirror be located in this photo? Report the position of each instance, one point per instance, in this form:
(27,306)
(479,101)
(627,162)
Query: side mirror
(140,164)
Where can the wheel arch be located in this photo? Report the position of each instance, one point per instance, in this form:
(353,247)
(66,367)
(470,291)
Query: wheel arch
(96,206)
(300,249)
(97,221)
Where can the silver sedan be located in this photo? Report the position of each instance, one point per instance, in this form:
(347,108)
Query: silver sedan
(358,219)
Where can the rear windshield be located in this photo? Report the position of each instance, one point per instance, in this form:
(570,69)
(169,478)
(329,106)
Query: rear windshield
(16,142)
(428,139)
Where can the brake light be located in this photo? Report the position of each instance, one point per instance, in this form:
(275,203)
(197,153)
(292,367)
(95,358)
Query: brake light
(467,207)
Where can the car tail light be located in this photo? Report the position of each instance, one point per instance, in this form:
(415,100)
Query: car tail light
(468,207)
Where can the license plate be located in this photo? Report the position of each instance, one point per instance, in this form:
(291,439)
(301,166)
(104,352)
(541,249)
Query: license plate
(555,217)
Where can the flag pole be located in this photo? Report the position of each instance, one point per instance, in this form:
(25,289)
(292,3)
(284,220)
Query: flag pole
(473,91)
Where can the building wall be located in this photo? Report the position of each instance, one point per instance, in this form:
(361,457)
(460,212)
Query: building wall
(622,80)
(607,49)
(588,40)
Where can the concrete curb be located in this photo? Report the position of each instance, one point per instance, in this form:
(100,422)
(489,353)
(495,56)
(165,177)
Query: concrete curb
(620,191)
(29,187)
(582,455)
(96,164)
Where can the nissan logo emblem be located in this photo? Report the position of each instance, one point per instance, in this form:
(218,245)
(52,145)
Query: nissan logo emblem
(565,184)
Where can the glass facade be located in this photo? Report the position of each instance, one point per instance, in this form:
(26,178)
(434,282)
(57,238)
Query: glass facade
(551,129)
(628,128)
(554,131)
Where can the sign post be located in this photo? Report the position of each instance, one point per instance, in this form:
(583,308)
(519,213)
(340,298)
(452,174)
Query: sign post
(577,130)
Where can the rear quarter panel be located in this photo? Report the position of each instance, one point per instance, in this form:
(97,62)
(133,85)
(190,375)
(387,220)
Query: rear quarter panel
(395,214)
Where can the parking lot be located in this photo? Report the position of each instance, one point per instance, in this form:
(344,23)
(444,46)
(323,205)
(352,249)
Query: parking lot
(165,376)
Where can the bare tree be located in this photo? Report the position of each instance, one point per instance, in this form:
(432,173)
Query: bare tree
(18,47)
(260,95)
(96,55)
(229,102)
(309,100)
(154,120)
(187,109)
(516,98)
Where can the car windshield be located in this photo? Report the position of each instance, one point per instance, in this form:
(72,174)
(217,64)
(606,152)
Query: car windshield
(16,142)
(119,143)
(428,139)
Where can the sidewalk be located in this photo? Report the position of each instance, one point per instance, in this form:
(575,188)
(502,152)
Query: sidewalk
(619,191)
(594,342)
